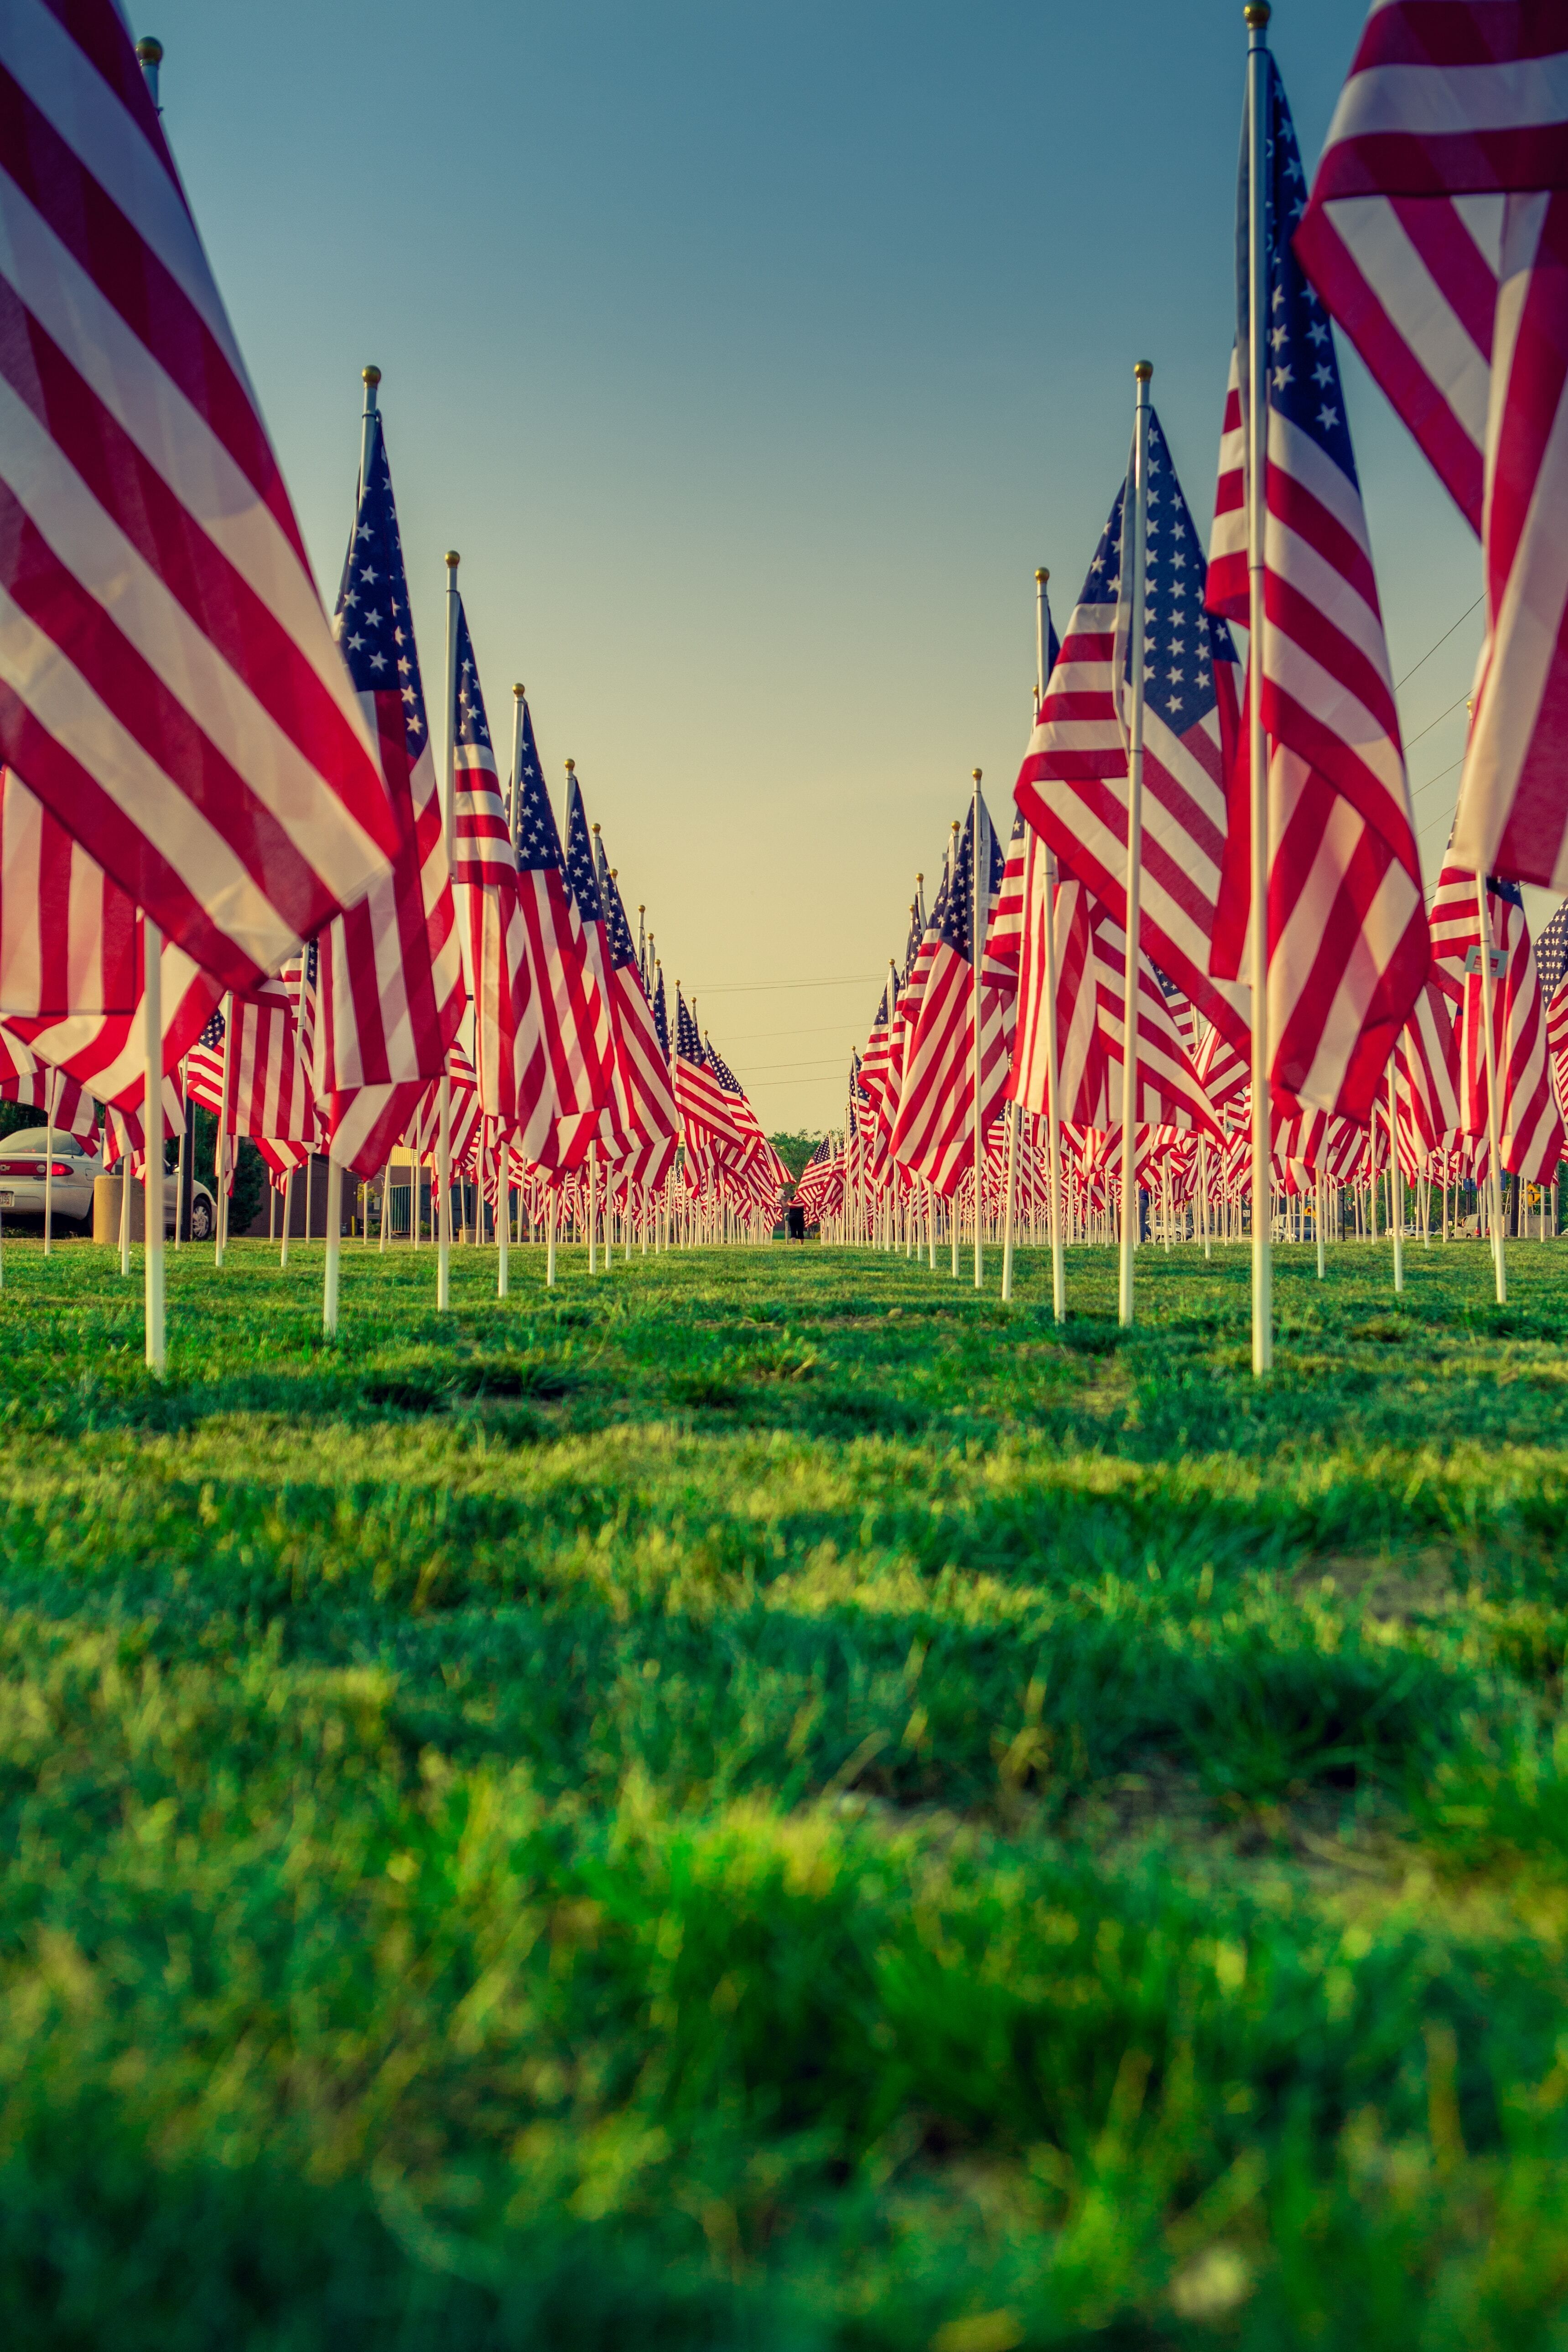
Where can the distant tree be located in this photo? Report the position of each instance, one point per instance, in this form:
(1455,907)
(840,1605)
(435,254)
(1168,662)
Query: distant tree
(795,1151)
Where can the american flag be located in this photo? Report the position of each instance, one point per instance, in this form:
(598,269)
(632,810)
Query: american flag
(67,934)
(391,974)
(707,1116)
(1529,1125)
(1169,1091)
(935,1128)
(757,1153)
(105,1052)
(660,1015)
(874,1062)
(899,1022)
(565,990)
(1072,786)
(268,1090)
(1436,233)
(640,1057)
(1428,1061)
(1083,1071)
(1551,951)
(614,1130)
(1347,927)
(167,683)
(509,1042)
(25,1079)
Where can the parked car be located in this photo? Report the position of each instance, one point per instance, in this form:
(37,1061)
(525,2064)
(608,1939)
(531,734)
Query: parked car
(21,1169)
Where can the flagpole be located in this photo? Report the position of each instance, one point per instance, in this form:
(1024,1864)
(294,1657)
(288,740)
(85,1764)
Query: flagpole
(1143,372)
(518,697)
(51,1097)
(1257,16)
(1395,1204)
(503,1222)
(221,1220)
(1053,1107)
(977,948)
(449,792)
(153,1131)
(1489,1038)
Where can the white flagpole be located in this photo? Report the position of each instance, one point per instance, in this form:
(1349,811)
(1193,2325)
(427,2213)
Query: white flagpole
(221,1220)
(1493,1132)
(51,1097)
(449,791)
(1132,543)
(593,1208)
(152,1127)
(332,1272)
(1256,15)
(1395,1188)
(180,1157)
(1053,1107)
(518,699)
(978,949)
(287,1215)
(503,1218)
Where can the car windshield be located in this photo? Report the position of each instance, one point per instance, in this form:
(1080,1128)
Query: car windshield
(37,1139)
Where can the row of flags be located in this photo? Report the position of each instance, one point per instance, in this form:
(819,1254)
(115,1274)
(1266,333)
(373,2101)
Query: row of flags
(356,934)
(1382,1015)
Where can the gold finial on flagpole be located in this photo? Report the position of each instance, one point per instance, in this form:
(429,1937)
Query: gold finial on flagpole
(453,559)
(371,375)
(571,767)
(593,828)
(976,773)
(519,691)
(1256,15)
(1042,575)
(1143,370)
(149,56)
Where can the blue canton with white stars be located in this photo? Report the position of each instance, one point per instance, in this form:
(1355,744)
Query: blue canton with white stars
(660,1015)
(538,843)
(687,1043)
(580,874)
(722,1072)
(617,930)
(1303,372)
(372,623)
(956,914)
(473,728)
(1181,641)
(1551,951)
(212,1034)
(1103,585)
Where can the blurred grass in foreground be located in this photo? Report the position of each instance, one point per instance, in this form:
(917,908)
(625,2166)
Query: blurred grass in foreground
(767,1802)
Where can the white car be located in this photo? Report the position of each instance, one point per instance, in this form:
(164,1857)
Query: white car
(23,1164)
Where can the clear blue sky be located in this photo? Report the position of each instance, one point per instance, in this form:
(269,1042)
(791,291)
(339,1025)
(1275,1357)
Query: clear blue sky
(753,356)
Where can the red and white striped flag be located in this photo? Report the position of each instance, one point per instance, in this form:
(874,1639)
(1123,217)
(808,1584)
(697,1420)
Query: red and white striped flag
(573,1084)
(390,976)
(933,1132)
(1438,236)
(1530,1126)
(1347,927)
(509,1053)
(613,1134)
(168,686)
(640,1058)
(67,934)
(1073,787)
(104,1052)
(268,1090)
(25,1079)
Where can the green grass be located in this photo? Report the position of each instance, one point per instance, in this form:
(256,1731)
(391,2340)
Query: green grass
(768,1802)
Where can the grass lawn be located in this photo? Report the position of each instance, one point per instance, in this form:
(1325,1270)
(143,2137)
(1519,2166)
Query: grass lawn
(766,1803)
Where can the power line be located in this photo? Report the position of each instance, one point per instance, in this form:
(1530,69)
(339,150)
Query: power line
(1438,720)
(1442,641)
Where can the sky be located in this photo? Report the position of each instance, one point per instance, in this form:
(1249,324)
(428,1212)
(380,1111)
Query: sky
(753,357)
